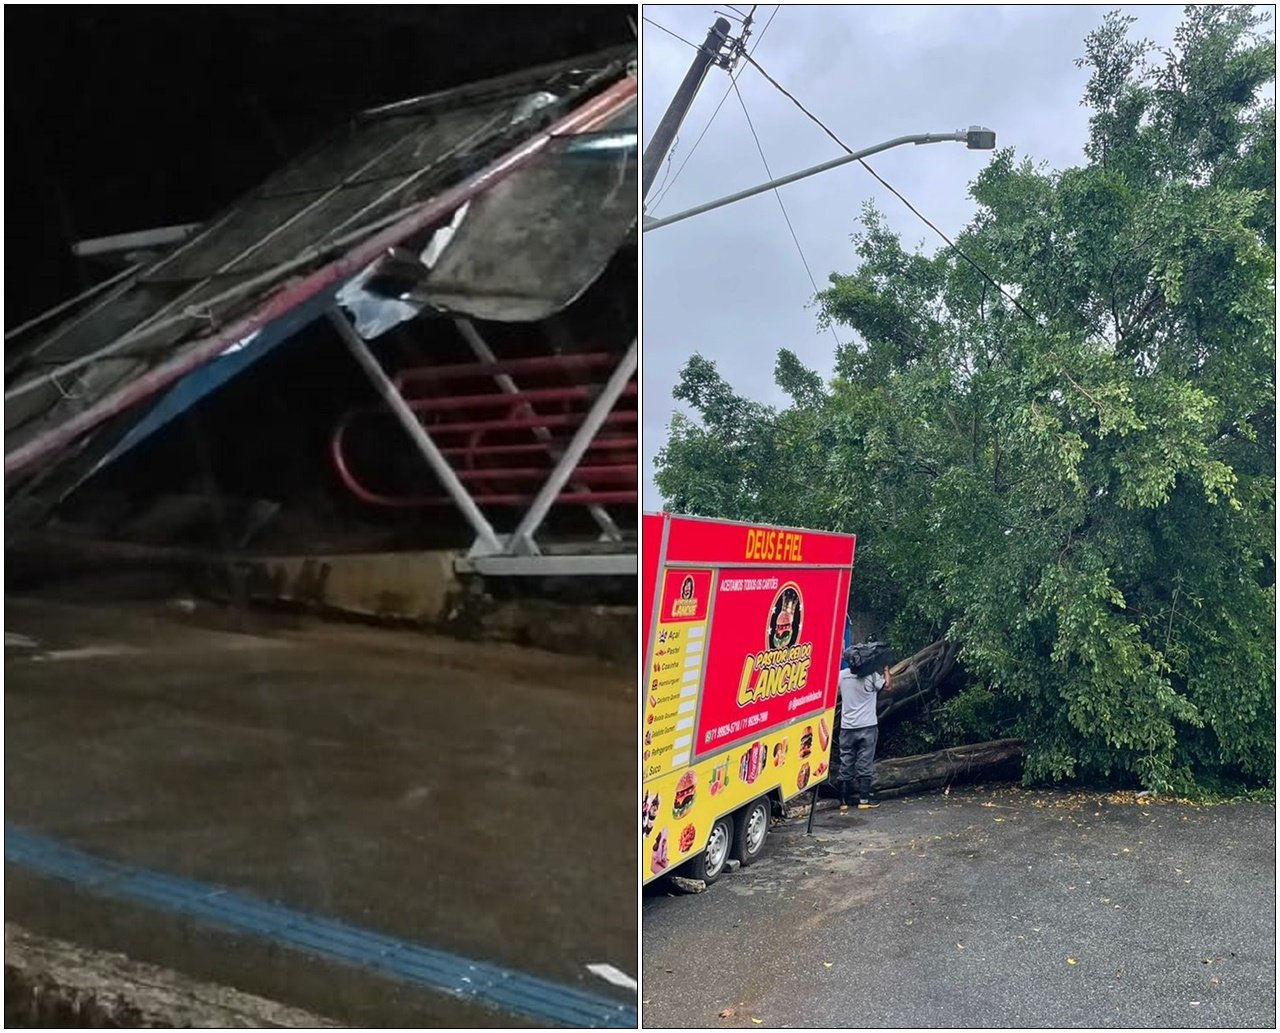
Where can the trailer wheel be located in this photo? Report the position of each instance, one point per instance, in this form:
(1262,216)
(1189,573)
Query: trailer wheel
(708,865)
(751,829)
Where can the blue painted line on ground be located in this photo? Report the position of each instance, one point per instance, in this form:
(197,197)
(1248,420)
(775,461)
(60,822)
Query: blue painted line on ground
(482,982)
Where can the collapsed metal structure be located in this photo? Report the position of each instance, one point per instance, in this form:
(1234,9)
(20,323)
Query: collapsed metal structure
(497,203)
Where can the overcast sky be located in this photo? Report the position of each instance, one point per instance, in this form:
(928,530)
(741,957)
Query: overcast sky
(730,283)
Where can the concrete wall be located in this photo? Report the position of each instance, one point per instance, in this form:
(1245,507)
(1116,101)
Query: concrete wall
(421,588)
(415,586)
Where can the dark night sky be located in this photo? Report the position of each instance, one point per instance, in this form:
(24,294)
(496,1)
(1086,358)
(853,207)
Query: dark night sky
(127,118)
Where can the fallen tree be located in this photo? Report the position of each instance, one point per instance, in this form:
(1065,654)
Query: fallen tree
(897,776)
(918,676)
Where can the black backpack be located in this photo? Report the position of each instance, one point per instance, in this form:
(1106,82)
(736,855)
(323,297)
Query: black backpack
(866,658)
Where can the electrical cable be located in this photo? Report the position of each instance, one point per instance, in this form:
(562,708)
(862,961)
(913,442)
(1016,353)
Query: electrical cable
(778,195)
(950,243)
(669,32)
(670,155)
(914,210)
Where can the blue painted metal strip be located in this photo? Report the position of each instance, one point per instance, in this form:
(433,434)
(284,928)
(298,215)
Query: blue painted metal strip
(204,380)
(478,981)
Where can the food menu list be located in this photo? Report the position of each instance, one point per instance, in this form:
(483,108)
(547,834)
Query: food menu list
(675,670)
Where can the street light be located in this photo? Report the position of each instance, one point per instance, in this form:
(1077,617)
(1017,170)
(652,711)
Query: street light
(976,138)
(980,138)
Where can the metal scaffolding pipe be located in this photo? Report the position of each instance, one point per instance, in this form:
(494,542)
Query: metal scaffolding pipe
(522,538)
(608,528)
(57,310)
(457,491)
(520,399)
(585,118)
(616,496)
(622,444)
(527,422)
(496,368)
(588,497)
(608,472)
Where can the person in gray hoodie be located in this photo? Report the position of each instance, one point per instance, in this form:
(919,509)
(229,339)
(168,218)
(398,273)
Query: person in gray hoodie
(864,674)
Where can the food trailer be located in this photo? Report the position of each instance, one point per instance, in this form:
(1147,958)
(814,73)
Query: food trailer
(742,652)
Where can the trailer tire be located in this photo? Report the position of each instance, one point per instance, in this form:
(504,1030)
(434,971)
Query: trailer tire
(751,829)
(709,864)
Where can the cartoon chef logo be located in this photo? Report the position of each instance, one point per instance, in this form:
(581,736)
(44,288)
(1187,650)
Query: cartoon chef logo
(785,616)
(686,604)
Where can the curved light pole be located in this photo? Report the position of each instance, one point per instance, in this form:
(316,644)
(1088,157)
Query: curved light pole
(976,138)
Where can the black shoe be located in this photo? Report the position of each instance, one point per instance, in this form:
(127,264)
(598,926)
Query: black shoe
(866,799)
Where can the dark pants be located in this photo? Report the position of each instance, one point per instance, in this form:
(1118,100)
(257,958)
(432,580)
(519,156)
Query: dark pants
(858,756)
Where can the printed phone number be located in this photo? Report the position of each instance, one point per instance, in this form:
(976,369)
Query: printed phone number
(748,584)
(743,724)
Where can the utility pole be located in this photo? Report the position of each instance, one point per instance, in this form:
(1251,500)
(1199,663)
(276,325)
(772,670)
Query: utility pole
(660,144)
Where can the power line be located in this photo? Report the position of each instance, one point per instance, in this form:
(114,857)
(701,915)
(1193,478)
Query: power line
(732,78)
(914,210)
(769,172)
(950,243)
(669,32)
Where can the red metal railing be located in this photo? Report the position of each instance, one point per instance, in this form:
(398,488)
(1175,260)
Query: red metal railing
(504,444)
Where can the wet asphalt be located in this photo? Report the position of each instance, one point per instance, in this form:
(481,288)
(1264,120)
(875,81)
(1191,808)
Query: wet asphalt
(991,907)
(473,798)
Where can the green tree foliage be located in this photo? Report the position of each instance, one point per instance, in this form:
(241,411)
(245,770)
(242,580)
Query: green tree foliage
(1079,487)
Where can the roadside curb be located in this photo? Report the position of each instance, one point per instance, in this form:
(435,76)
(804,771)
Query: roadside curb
(53,984)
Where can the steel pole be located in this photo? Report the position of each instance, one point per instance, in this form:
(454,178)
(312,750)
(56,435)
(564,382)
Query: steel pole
(522,538)
(917,138)
(481,347)
(439,465)
(665,134)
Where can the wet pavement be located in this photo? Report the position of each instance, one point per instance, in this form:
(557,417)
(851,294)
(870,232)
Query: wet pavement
(471,798)
(986,908)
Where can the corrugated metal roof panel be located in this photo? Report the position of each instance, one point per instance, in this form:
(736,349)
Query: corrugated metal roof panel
(377,171)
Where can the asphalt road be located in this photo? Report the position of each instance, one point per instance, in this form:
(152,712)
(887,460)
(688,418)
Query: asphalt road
(475,799)
(986,908)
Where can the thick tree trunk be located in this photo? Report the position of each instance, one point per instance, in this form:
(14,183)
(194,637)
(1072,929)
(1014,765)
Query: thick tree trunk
(917,676)
(900,775)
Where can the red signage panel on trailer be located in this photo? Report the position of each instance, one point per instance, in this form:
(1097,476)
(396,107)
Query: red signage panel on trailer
(772,657)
